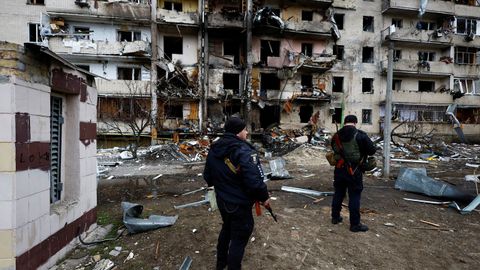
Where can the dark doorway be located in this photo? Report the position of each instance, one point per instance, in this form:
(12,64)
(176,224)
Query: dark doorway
(269,115)
(306,112)
(232,47)
(337,116)
(172,45)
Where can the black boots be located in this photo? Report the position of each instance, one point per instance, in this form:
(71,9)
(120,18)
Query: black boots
(359,228)
(337,220)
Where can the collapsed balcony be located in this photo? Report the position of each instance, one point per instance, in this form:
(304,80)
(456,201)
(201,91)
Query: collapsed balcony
(81,45)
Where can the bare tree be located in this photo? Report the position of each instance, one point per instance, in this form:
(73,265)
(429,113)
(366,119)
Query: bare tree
(128,115)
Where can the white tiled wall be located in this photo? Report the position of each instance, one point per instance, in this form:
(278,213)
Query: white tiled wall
(8,127)
(6,102)
(39,128)
(7,186)
(7,209)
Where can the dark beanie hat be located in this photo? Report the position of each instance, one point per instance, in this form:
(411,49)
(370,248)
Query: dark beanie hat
(234,125)
(350,119)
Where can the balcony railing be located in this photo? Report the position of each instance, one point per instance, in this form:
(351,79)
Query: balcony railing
(122,88)
(467,70)
(218,20)
(413,36)
(70,45)
(418,68)
(405,96)
(412,6)
(322,27)
(172,16)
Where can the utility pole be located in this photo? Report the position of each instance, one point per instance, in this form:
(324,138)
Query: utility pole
(203,66)
(153,71)
(248,71)
(387,121)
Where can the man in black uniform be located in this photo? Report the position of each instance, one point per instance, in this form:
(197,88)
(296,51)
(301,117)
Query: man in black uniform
(351,146)
(234,169)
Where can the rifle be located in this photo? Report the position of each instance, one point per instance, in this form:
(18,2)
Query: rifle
(258,210)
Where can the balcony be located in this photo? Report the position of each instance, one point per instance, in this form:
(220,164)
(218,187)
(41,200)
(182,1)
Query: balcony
(309,29)
(70,45)
(411,7)
(99,11)
(318,63)
(467,10)
(176,17)
(405,67)
(219,20)
(405,96)
(469,71)
(122,88)
(323,4)
(414,37)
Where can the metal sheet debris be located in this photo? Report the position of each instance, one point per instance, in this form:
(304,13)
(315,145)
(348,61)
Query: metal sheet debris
(104,264)
(278,169)
(306,191)
(428,202)
(413,181)
(469,208)
(186,263)
(135,224)
(202,202)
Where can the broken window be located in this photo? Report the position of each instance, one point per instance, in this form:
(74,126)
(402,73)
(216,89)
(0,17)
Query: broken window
(368,24)
(367,85)
(426,56)
(426,86)
(307,15)
(307,49)
(337,116)
(397,55)
(172,45)
(397,22)
(34,32)
(397,85)
(339,20)
(129,74)
(269,81)
(269,115)
(231,82)
(366,116)
(232,48)
(421,113)
(337,85)
(467,55)
(81,32)
(36,2)
(269,48)
(466,86)
(367,55)
(169,5)
(128,36)
(174,111)
(307,82)
(338,50)
(466,26)
(424,25)
(305,113)
(468,115)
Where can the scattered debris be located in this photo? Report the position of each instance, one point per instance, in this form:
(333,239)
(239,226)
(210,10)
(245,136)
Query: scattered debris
(278,169)
(135,224)
(104,264)
(307,191)
(428,202)
(187,262)
(469,208)
(430,223)
(129,257)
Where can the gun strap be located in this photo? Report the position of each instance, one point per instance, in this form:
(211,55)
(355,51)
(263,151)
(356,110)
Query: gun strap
(230,165)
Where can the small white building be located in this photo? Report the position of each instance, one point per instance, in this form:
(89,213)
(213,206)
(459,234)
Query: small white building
(47,163)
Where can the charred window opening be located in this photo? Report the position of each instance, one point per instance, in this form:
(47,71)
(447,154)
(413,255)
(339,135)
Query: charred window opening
(397,22)
(337,116)
(34,32)
(426,86)
(339,20)
(169,5)
(269,115)
(232,48)
(467,55)
(367,55)
(426,56)
(339,50)
(231,82)
(269,48)
(367,85)
(172,45)
(36,2)
(128,36)
(423,25)
(397,85)
(366,116)
(307,49)
(130,74)
(368,24)
(305,113)
(337,85)
(307,15)
(173,111)
(468,115)
(307,82)
(269,81)
(397,55)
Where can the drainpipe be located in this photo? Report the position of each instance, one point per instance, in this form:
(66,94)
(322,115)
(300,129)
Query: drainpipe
(248,73)
(203,72)
(388,114)
(153,71)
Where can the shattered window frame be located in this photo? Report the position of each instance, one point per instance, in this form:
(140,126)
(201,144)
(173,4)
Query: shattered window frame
(339,51)
(307,15)
(82,32)
(467,86)
(306,82)
(367,85)
(367,116)
(397,84)
(368,24)
(231,81)
(426,56)
(269,48)
(173,6)
(397,55)
(129,73)
(339,20)
(426,25)
(426,86)
(128,36)
(368,55)
(337,84)
(169,50)
(307,49)
(397,22)
(34,32)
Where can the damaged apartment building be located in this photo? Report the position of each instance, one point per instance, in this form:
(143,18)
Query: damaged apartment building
(273,62)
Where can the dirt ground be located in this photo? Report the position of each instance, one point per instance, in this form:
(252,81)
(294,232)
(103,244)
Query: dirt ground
(304,237)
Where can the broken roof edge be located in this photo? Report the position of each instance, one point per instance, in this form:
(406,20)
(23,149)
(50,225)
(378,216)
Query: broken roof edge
(51,54)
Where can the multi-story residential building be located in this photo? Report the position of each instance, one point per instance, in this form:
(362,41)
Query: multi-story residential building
(275,61)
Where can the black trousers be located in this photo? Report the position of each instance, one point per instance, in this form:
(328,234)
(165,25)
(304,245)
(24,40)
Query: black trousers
(342,183)
(236,230)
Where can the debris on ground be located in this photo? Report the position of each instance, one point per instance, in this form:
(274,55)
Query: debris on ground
(135,224)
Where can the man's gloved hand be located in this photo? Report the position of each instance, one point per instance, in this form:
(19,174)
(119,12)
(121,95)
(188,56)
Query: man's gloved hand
(266,203)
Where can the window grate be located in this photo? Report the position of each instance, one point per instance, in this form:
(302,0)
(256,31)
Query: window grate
(56,121)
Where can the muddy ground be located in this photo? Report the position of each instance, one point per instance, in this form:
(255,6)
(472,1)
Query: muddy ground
(304,237)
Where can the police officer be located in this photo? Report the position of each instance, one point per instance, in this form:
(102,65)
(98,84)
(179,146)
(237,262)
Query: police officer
(350,146)
(234,169)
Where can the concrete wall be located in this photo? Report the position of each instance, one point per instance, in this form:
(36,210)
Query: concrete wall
(16,15)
